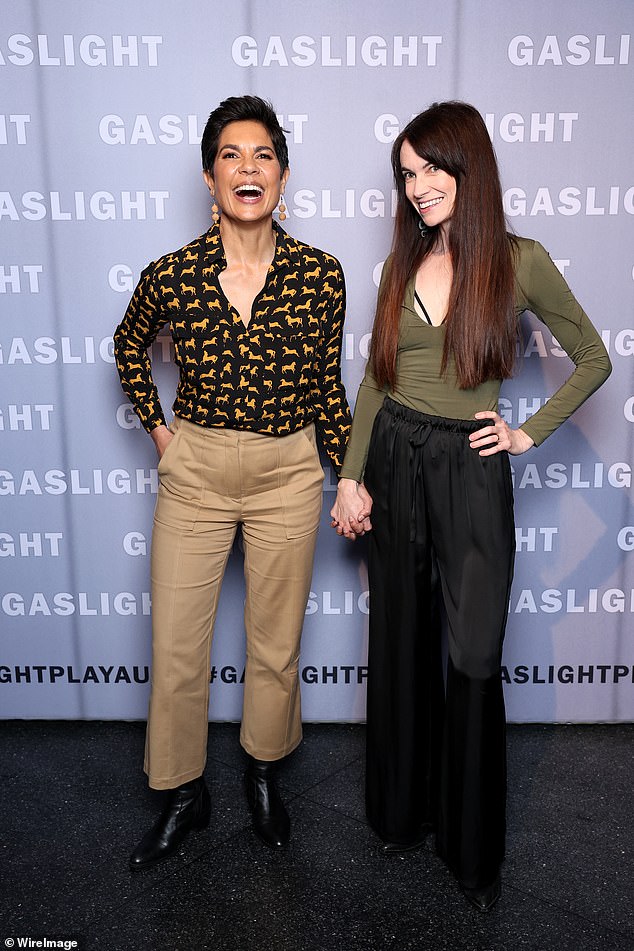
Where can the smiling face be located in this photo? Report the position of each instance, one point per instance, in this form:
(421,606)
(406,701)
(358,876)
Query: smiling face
(431,190)
(247,179)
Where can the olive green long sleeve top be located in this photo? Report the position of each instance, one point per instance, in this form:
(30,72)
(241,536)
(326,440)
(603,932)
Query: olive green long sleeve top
(540,288)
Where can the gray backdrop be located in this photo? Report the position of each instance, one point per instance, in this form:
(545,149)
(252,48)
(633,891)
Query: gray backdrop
(103,105)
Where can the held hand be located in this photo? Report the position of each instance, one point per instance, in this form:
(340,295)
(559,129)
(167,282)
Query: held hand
(351,512)
(497,436)
(366,499)
(162,437)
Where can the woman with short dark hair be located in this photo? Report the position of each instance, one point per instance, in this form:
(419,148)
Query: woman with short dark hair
(432,449)
(256,319)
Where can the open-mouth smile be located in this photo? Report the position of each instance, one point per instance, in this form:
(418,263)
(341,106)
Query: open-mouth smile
(425,205)
(249,192)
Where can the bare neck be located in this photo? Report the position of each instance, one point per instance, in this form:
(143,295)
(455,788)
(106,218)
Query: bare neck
(247,243)
(442,242)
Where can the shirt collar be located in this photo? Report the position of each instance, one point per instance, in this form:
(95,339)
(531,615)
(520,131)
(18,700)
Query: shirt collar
(286,247)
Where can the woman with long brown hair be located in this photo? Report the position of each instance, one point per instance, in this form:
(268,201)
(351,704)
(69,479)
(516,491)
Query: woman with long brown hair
(431,449)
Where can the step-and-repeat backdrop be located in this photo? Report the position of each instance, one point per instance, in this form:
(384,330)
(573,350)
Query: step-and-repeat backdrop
(103,107)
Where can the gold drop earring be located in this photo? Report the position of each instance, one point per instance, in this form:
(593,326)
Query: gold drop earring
(215,210)
(282,208)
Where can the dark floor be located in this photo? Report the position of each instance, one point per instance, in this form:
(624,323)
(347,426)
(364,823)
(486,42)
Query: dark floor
(75,803)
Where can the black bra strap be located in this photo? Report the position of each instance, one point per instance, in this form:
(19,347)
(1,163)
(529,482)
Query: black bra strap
(422,307)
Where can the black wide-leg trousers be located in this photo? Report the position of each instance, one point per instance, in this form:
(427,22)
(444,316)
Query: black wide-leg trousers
(443,541)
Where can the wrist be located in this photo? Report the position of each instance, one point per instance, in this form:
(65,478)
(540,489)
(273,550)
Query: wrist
(524,442)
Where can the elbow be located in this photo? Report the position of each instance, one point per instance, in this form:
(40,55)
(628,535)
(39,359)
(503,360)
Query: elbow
(123,347)
(118,339)
(597,364)
(605,368)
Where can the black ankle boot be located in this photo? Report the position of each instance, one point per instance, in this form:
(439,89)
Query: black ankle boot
(187,807)
(270,819)
(484,898)
(398,848)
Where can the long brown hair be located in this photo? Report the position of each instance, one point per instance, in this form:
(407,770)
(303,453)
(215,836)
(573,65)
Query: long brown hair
(480,331)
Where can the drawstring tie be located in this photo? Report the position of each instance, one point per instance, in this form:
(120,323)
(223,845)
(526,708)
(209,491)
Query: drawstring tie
(417,440)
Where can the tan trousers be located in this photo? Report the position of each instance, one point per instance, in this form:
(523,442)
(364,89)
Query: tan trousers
(211,480)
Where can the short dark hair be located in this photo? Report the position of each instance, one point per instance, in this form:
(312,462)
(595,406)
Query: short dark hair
(242,109)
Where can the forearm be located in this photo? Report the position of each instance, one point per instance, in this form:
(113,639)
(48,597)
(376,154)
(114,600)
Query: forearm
(578,387)
(135,374)
(138,329)
(333,419)
(546,294)
(369,401)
